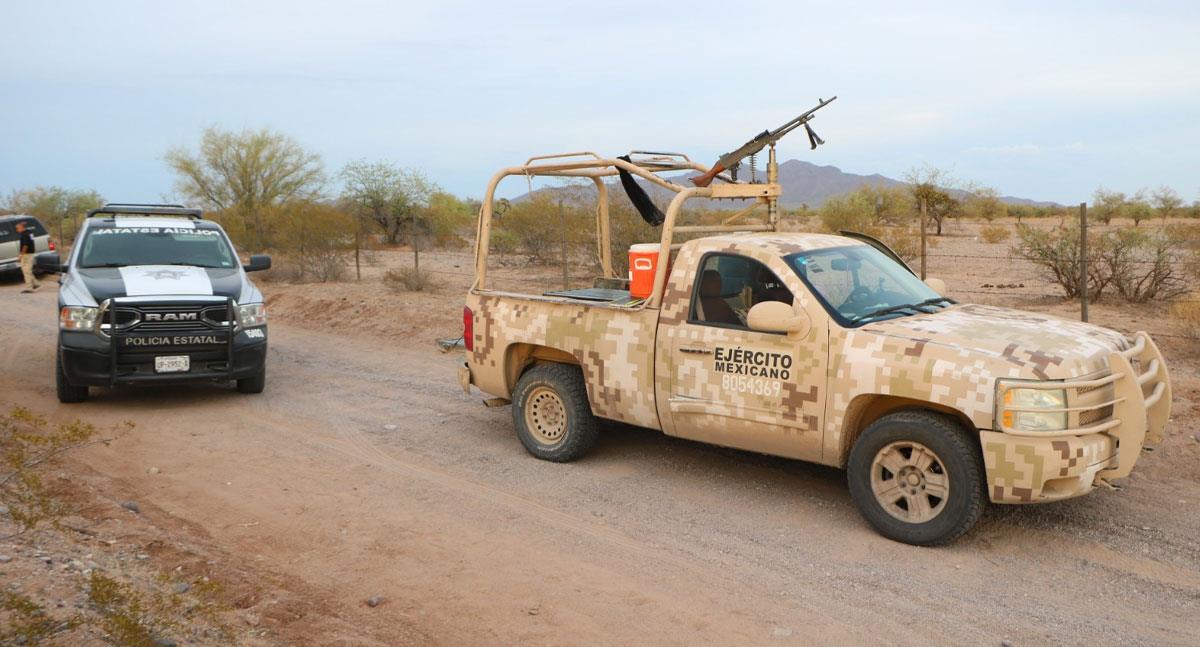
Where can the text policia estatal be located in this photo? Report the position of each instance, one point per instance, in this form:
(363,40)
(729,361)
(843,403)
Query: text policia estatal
(756,363)
(178,340)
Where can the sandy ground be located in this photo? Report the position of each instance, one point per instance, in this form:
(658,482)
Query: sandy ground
(365,471)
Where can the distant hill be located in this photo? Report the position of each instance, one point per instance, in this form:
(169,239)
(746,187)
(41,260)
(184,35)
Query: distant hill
(804,183)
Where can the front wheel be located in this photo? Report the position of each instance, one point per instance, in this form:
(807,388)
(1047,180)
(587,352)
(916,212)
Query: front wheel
(255,383)
(917,478)
(551,413)
(67,392)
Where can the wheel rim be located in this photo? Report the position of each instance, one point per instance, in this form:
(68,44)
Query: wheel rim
(910,482)
(545,415)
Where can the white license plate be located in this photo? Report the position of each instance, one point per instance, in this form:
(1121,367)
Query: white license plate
(172,364)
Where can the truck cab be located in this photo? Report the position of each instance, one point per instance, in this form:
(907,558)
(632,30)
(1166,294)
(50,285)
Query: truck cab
(823,348)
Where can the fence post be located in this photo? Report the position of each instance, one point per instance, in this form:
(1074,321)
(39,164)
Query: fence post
(416,241)
(562,225)
(1083,263)
(924,218)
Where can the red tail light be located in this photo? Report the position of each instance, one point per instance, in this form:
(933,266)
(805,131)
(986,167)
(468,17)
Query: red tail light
(52,246)
(468,328)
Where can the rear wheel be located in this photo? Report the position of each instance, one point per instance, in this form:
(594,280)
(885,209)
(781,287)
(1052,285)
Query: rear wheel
(67,392)
(255,383)
(917,478)
(551,413)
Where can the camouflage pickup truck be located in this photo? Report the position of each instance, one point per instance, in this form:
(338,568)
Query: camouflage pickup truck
(815,347)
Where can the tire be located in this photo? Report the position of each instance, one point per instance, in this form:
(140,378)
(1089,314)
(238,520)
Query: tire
(67,393)
(551,413)
(254,384)
(908,457)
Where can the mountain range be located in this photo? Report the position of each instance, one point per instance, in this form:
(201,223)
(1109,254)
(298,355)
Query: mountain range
(803,183)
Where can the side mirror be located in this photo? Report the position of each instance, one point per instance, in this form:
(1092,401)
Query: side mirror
(258,263)
(48,262)
(937,285)
(776,316)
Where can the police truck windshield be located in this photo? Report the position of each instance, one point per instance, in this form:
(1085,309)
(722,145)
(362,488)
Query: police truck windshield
(124,246)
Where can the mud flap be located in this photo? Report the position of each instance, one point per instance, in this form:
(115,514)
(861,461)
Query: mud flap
(464,378)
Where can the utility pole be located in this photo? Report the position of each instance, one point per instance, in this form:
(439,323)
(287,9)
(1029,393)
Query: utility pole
(1083,263)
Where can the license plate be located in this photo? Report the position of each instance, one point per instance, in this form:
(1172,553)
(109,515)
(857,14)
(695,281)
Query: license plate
(172,364)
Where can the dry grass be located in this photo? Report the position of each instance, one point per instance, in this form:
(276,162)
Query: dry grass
(1187,312)
(407,279)
(993,234)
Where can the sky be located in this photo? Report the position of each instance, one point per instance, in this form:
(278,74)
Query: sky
(1039,100)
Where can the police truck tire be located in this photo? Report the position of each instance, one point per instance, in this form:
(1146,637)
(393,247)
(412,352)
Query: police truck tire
(254,384)
(67,392)
(917,477)
(551,413)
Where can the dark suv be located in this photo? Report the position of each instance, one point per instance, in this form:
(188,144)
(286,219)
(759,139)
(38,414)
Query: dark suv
(156,294)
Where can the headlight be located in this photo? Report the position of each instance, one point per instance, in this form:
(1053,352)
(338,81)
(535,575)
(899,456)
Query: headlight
(251,315)
(77,318)
(1017,398)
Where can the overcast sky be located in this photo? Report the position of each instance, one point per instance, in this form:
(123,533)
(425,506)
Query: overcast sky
(1040,100)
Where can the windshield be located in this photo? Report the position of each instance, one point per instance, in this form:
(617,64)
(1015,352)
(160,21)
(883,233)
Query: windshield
(858,283)
(121,246)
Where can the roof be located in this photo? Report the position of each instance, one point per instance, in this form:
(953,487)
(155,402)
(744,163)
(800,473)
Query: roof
(780,243)
(131,209)
(184,222)
(17,216)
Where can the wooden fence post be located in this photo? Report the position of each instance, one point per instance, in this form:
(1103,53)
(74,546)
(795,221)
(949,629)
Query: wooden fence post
(924,218)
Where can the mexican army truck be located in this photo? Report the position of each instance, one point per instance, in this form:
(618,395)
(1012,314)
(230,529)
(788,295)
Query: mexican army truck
(822,348)
(155,294)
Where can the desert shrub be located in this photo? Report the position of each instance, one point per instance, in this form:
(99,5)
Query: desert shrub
(450,219)
(28,443)
(993,234)
(504,242)
(1107,205)
(1137,265)
(317,238)
(850,212)
(1056,252)
(409,279)
(534,224)
(1142,265)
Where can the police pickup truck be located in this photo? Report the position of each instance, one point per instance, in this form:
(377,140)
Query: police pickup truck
(156,294)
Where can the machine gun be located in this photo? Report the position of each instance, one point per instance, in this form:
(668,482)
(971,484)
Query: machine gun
(731,161)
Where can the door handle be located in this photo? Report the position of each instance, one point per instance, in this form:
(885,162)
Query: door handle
(695,351)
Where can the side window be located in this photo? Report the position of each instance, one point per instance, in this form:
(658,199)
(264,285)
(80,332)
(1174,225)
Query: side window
(727,286)
(35,226)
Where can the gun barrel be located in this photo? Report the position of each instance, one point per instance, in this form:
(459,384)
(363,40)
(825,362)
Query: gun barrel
(804,118)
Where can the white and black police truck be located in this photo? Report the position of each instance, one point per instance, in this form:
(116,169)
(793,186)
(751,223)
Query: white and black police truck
(156,294)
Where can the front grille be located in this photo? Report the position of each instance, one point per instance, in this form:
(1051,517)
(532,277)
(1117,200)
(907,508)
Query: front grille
(135,319)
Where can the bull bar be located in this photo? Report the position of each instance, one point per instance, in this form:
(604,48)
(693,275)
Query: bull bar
(1139,400)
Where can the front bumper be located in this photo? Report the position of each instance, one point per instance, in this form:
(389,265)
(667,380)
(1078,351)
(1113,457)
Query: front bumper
(1111,416)
(87,361)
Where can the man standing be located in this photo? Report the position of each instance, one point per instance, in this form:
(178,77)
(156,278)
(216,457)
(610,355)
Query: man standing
(28,248)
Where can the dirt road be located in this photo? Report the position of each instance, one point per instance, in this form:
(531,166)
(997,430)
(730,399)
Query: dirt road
(364,470)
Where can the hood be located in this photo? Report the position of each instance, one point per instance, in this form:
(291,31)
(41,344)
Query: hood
(161,280)
(1041,346)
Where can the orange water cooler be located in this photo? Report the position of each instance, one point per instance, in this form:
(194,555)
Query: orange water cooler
(643,262)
